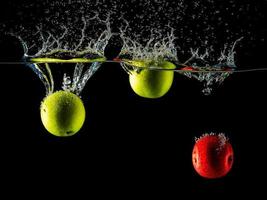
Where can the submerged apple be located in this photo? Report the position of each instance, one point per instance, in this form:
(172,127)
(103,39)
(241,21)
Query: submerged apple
(212,156)
(62,113)
(151,83)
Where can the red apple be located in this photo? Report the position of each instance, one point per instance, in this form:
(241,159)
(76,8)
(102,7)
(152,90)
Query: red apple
(212,156)
(188,68)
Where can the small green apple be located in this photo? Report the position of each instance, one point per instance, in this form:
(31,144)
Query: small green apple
(62,113)
(151,83)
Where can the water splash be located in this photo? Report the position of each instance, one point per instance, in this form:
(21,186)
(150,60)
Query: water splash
(165,31)
(58,45)
(205,67)
(57,48)
(209,69)
(79,79)
(157,47)
(43,71)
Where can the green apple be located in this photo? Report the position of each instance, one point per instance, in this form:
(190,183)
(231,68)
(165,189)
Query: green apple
(151,83)
(62,113)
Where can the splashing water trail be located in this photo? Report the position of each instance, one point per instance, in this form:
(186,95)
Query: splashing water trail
(209,70)
(87,53)
(204,67)
(73,32)
(79,80)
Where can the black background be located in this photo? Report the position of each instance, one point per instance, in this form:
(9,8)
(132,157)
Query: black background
(128,144)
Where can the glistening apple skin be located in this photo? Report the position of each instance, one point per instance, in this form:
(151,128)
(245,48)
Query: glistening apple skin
(212,156)
(150,83)
(62,113)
